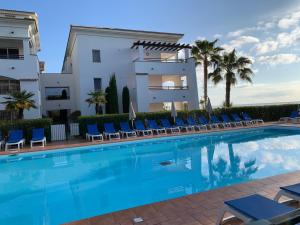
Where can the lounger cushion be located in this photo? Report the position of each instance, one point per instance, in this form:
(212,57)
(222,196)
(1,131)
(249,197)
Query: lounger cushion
(258,207)
(295,188)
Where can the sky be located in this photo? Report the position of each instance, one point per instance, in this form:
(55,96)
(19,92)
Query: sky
(266,31)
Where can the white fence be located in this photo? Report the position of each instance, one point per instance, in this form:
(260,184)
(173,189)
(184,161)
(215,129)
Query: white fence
(74,129)
(58,132)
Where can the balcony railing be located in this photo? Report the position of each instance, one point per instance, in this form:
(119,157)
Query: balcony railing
(57,97)
(11,56)
(168,87)
(162,60)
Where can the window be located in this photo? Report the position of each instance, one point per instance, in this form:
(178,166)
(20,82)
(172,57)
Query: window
(8,86)
(97,84)
(10,53)
(96,56)
(57,93)
(8,115)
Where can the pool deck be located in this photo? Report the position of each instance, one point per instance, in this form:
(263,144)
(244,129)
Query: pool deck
(196,209)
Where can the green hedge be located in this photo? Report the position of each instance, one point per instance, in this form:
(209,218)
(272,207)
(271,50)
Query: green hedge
(267,113)
(26,126)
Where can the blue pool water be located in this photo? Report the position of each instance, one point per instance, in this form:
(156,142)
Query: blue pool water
(56,187)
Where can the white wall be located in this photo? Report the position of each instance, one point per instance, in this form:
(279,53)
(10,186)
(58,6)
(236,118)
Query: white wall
(58,80)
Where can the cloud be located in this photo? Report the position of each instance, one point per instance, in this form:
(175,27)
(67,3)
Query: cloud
(288,39)
(218,36)
(266,46)
(289,21)
(239,42)
(279,59)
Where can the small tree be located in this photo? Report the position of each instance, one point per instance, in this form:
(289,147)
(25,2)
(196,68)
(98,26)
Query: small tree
(125,99)
(97,98)
(112,105)
(19,101)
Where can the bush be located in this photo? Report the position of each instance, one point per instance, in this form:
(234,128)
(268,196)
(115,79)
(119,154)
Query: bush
(125,99)
(267,113)
(26,126)
(112,105)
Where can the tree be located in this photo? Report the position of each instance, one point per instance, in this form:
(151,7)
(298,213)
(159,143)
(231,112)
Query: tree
(230,68)
(97,98)
(125,99)
(208,55)
(112,105)
(19,101)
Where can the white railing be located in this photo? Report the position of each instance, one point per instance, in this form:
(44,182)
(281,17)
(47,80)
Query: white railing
(58,132)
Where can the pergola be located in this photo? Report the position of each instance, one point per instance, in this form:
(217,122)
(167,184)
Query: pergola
(160,46)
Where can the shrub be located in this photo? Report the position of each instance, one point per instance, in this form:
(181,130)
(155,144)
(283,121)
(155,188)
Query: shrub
(112,105)
(125,99)
(267,113)
(26,126)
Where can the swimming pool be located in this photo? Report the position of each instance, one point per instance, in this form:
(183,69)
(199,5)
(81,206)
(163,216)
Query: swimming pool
(55,187)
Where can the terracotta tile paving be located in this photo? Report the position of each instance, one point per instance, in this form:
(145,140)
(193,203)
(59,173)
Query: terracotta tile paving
(197,209)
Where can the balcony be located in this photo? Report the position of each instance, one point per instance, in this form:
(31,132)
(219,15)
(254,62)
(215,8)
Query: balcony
(12,56)
(168,87)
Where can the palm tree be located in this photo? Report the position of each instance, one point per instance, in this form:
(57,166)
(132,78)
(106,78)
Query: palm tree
(19,101)
(206,54)
(230,68)
(97,98)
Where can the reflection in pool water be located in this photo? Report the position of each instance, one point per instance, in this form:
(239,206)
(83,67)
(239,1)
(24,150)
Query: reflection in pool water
(58,187)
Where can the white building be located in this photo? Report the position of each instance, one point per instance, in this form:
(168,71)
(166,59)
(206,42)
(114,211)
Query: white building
(19,64)
(155,67)
(148,63)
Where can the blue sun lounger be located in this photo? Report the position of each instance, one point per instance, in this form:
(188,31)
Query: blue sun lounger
(38,136)
(15,137)
(182,125)
(126,131)
(203,121)
(291,191)
(141,129)
(215,120)
(294,115)
(192,122)
(156,128)
(169,128)
(93,132)
(110,131)
(227,120)
(238,119)
(246,117)
(252,208)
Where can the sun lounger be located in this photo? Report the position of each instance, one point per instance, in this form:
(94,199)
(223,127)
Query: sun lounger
(93,133)
(203,121)
(38,136)
(126,131)
(238,119)
(156,128)
(15,137)
(192,122)
(294,116)
(183,126)
(215,120)
(291,191)
(140,128)
(227,120)
(246,117)
(166,124)
(110,131)
(252,208)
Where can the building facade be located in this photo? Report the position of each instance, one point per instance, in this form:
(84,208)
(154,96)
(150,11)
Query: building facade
(155,67)
(19,64)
